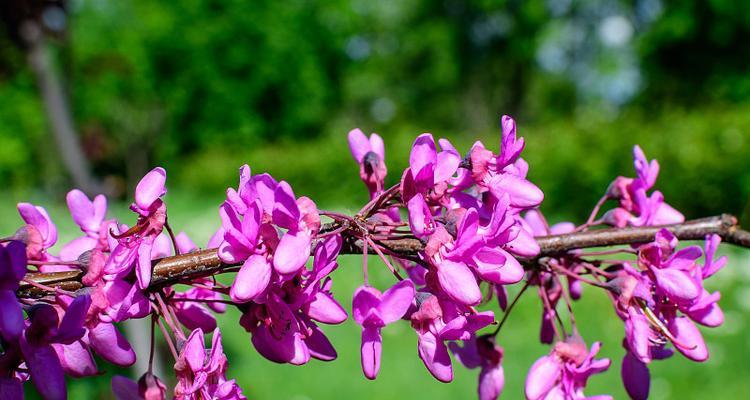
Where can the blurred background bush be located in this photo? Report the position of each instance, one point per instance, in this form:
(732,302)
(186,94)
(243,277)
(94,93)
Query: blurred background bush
(203,86)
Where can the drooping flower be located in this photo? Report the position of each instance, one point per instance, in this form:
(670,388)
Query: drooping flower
(369,153)
(201,375)
(45,329)
(563,374)
(483,352)
(373,311)
(437,321)
(283,326)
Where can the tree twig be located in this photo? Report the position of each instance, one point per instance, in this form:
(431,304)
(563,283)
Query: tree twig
(185,267)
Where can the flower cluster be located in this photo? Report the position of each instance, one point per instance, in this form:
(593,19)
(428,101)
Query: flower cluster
(636,206)
(453,225)
(270,231)
(660,299)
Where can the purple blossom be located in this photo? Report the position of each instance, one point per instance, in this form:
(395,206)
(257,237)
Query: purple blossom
(637,208)
(39,233)
(483,352)
(90,217)
(282,322)
(505,173)
(301,220)
(45,329)
(370,155)
(373,311)
(426,179)
(565,372)
(201,375)
(135,244)
(437,321)
(12,270)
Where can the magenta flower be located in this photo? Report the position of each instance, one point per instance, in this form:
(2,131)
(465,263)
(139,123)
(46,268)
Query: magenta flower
(457,261)
(201,375)
(373,311)
(283,326)
(12,270)
(637,208)
(563,374)
(437,321)
(429,171)
(135,244)
(39,233)
(44,330)
(90,217)
(483,352)
(505,173)
(370,155)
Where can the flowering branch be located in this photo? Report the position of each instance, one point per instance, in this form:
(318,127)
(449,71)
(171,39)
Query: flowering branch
(201,263)
(471,221)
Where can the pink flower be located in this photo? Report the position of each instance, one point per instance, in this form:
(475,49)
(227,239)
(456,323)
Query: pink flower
(282,321)
(437,321)
(637,208)
(370,155)
(12,270)
(505,173)
(301,220)
(39,233)
(483,352)
(201,375)
(564,373)
(135,244)
(44,330)
(373,311)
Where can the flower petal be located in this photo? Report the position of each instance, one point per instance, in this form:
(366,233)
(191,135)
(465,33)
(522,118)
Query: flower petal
(324,308)
(457,280)
(542,377)
(359,145)
(635,377)
(150,188)
(676,284)
(435,356)
(689,339)
(396,301)
(111,345)
(251,280)
(292,252)
(491,382)
(11,316)
(498,266)
(522,193)
(371,348)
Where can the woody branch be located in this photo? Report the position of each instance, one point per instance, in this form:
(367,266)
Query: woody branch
(171,270)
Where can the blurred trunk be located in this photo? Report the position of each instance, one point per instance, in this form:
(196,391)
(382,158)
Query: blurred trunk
(58,112)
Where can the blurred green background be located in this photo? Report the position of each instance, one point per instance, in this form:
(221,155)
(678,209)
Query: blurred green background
(201,87)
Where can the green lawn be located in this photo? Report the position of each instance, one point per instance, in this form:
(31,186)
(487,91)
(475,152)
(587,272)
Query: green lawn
(402,374)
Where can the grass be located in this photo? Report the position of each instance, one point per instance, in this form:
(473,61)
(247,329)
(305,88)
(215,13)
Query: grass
(402,374)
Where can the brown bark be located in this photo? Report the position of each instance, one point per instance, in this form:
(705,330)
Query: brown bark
(170,270)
